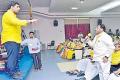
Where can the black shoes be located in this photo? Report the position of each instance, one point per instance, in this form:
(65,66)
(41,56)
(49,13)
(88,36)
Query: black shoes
(72,73)
(81,78)
(81,73)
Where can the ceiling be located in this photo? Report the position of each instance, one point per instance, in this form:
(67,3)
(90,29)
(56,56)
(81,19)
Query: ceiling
(116,9)
(66,5)
(63,6)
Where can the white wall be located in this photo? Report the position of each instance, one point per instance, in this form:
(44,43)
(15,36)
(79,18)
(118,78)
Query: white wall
(46,30)
(110,23)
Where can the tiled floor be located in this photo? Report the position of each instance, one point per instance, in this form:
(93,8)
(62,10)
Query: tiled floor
(50,71)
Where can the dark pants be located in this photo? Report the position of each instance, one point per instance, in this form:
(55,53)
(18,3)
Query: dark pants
(12,60)
(37,60)
(114,68)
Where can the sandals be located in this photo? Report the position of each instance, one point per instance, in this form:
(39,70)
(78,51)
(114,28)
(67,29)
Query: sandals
(81,78)
(72,72)
(81,73)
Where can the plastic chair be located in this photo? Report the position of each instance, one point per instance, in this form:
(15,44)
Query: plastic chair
(51,45)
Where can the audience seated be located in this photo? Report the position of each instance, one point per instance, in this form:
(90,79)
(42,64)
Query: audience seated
(110,32)
(116,58)
(116,54)
(115,75)
(67,48)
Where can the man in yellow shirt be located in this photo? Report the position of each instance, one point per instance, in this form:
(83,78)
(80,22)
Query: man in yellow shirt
(11,36)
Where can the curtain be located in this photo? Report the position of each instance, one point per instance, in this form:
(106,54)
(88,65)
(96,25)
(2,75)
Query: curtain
(72,30)
(84,29)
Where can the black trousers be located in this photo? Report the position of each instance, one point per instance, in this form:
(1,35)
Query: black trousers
(37,60)
(114,68)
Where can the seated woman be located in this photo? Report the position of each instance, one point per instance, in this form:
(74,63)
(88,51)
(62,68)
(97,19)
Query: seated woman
(116,58)
(115,68)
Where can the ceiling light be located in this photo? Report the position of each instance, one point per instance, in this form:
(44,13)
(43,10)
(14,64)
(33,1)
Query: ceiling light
(74,8)
(81,1)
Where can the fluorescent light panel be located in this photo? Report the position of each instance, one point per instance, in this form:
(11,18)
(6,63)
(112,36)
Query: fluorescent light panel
(74,8)
(81,1)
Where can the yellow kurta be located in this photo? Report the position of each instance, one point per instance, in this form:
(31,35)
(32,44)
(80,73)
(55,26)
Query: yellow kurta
(11,27)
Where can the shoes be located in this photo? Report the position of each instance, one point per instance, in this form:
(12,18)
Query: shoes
(37,69)
(18,73)
(17,76)
(71,73)
(81,73)
(81,78)
(68,72)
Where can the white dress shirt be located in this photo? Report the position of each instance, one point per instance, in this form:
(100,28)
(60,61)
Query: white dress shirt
(102,45)
(33,45)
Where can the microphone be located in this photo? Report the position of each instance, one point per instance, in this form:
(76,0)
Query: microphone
(87,37)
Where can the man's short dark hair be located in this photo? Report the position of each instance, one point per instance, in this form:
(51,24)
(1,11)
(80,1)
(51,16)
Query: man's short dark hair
(102,26)
(31,32)
(12,3)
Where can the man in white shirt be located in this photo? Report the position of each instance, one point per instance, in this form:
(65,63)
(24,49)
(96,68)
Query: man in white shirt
(103,47)
(34,49)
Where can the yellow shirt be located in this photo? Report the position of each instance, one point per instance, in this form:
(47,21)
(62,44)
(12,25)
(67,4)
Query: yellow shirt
(11,27)
(116,58)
